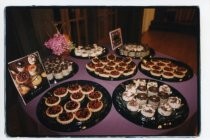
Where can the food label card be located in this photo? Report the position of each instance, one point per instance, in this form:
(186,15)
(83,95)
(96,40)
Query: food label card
(28,76)
(116,38)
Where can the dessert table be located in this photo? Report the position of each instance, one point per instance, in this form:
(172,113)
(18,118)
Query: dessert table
(114,124)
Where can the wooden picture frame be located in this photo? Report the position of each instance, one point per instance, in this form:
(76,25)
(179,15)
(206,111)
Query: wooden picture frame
(116,38)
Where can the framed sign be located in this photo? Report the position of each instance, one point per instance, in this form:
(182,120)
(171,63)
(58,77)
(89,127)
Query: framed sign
(28,76)
(116,38)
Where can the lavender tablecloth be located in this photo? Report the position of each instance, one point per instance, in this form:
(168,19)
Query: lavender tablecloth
(114,124)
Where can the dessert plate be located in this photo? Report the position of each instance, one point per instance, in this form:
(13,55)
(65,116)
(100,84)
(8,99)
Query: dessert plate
(75,125)
(156,120)
(104,53)
(165,69)
(119,68)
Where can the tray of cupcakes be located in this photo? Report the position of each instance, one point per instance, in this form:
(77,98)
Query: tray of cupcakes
(59,68)
(28,76)
(111,67)
(150,103)
(89,51)
(74,106)
(165,69)
(135,51)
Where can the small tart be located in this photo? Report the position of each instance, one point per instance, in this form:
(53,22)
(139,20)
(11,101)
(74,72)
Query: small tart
(95,95)
(179,74)
(160,64)
(111,64)
(95,105)
(104,74)
(65,118)
(118,60)
(98,70)
(22,77)
(120,69)
(168,69)
(115,74)
(155,61)
(90,66)
(156,73)
(165,61)
(131,66)
(122,64)
(104,60)
(52,100)
(172,65)
(95,60)
(83,114)
(145,66)
(156,68)
(168,75)
(108,69)
(182,69)
(60,92)
(71,106)
(77,97)
(87,89)
(111,57)
(74,88)
(54,111)
(127,60)
(99,65)
(128,72)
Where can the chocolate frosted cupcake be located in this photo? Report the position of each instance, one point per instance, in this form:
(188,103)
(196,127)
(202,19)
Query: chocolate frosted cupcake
(141,98)
(154,101)
(142,89)
(152,91)
(165,109)
(163,97)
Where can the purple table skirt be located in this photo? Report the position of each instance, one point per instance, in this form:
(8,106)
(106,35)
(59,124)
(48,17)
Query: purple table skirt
(114,124)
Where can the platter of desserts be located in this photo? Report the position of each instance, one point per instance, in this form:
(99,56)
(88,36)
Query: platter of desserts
(74,106)
(165,69)
(135,51)
(59,68)
(150,103)
(111,67)
(28,76)
(89,51)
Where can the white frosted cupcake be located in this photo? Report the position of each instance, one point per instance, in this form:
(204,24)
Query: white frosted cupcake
(147,110)
(133,105)
(165,88)
(152,83)
(165,109)
(126,96)
(174,102)
(141,98)
(154,101)
(152,90)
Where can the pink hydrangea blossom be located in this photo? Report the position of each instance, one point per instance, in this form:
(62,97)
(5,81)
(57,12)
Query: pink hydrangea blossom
(58,44)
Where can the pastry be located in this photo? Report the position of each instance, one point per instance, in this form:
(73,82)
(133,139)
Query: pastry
(147,110)
(22,77)
(77,97)
(141,89)
(90,66)
(60,92)
(54,111)
(179,74)
(165,109)
(154,101)
(71,106)
(163,97)
(165,88)
(65,118)
(152,90)
(58,73)
(36,80)
(174,102)
(52,100)
(156,73)
(20,66)
(83,114)
(87,89)
(31,59)
(95,105)
(49,73)
(111,57)
(115,74)
(181,69)
(141,98)
(32,69)
(74,88)
(23,89)
(168,75)
(65,70)
(95,95)
(127,96)
(133,105)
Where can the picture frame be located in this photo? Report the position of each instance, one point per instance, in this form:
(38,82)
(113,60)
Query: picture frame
(116,38)
(28,76)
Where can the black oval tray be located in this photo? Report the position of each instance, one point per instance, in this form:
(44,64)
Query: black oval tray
(75,125)
(176,118)
(188,75)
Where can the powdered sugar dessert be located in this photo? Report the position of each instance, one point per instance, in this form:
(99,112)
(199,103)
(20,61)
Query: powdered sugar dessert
(148,110)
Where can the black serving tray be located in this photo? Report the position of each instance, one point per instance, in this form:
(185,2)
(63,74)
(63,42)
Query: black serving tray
(188,75)
(75,125)
(177,117)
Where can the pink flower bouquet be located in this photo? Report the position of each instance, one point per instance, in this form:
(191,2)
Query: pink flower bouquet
(58,44)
